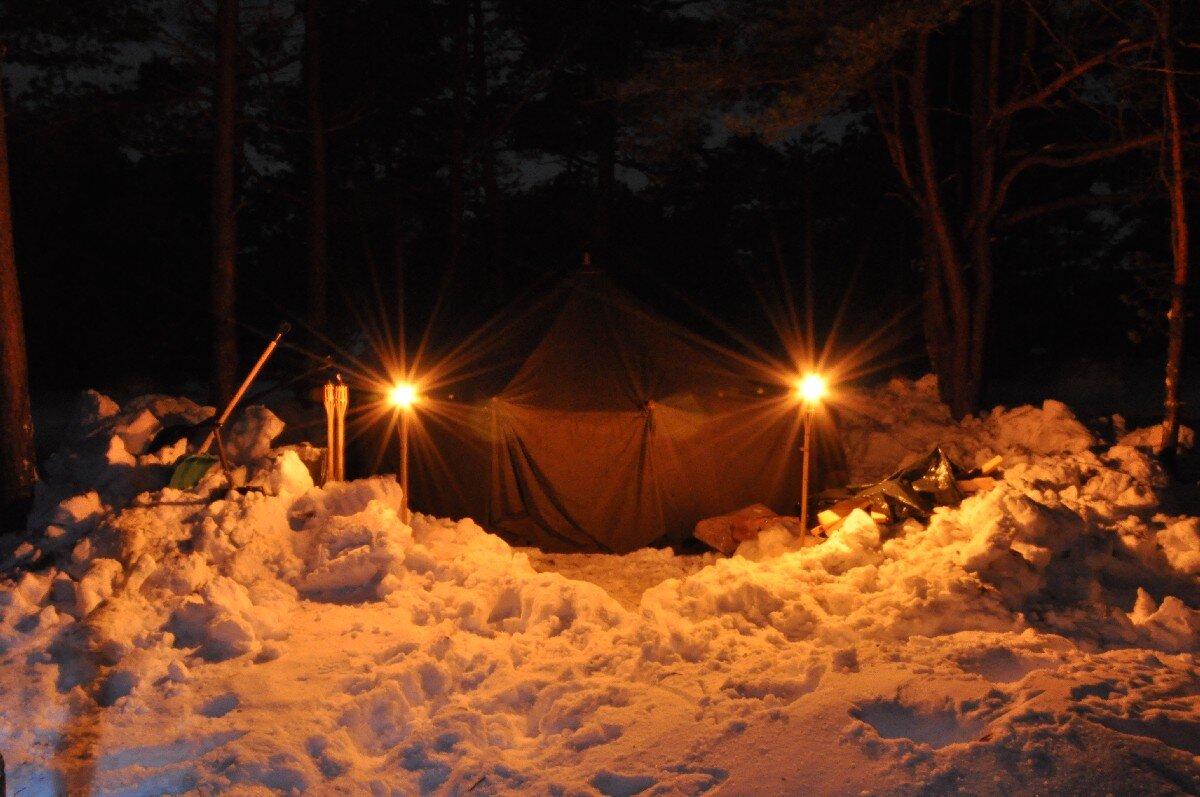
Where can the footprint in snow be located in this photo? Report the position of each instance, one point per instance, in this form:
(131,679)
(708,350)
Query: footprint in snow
(998,665)
(115,686)
(220,705)
(610,784)
(697,780)
(934,727)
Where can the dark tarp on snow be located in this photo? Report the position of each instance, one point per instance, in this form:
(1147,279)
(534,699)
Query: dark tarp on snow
(921,483)
(621,430)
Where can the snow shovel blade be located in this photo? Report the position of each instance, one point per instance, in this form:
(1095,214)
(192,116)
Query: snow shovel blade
(191,469)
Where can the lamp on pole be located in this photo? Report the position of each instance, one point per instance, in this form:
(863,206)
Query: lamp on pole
(403,396)
(809,392)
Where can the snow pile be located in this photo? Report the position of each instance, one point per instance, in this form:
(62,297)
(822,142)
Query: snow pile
(297,638)
(883,427)
(101,465)
(1066,537)
(1151,436)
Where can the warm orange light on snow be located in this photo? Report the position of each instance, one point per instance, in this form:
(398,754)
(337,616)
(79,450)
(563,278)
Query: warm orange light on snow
(811,389)
(403,395)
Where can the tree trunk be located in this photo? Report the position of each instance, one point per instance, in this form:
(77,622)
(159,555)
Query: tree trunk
(487,166)
(1174,177)
(933,317)
(944,263)
(957,235)
(810,269)
(318,200)
(606,157)
(985,85)
(957,246)
(458,137)
(400,264)
(224,213)
(17,460)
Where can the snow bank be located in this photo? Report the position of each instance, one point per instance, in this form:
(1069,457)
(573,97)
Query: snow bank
(1151,436)
(883,427)
(305,638)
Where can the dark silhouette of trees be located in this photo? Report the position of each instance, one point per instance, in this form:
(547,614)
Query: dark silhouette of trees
(318,173)
(978,178)
(456,152)
(457,140)
(581,115)
(966,98)
(489,180)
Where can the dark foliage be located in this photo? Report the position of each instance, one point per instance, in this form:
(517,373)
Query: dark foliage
(708,154)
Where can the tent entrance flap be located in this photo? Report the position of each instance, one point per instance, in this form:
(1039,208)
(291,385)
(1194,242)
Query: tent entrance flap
(577,480)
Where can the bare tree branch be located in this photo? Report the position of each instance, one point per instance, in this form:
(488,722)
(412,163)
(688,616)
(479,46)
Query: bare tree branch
(1111,150)
(1057,85)
(1081,202)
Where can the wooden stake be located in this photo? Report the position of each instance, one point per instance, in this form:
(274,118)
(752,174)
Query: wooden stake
(330,470)
(990,465)
(341,402)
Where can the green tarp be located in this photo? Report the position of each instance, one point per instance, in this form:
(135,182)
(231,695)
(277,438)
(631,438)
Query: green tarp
(620,430)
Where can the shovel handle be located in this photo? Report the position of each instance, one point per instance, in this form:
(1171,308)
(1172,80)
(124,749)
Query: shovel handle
(284,328)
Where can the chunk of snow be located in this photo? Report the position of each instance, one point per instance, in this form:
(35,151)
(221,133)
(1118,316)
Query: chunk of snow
(249,437)
(97,585)
(1151,437)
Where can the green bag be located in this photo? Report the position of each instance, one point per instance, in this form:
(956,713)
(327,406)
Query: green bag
(191,469)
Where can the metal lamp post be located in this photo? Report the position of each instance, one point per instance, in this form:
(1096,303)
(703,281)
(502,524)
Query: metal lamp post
(403,396)
(809,390)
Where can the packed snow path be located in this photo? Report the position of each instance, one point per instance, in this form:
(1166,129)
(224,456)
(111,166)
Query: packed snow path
(1040,638)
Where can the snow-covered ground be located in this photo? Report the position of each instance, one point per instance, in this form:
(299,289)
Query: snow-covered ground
(1041,638)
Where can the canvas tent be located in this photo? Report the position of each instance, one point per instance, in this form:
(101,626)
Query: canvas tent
(619,430)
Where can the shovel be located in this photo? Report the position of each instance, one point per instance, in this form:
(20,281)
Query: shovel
(191,469)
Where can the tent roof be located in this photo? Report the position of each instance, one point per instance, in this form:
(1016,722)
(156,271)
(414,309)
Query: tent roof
(604,351)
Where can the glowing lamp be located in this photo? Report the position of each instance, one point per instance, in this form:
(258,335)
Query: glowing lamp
(403,395)
(811,389)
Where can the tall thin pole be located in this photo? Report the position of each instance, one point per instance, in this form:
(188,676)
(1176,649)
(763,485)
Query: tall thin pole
(808,411)
(341,403)
(404,513)
(330,435)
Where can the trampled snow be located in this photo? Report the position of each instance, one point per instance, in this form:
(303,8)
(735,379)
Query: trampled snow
(1041,638)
